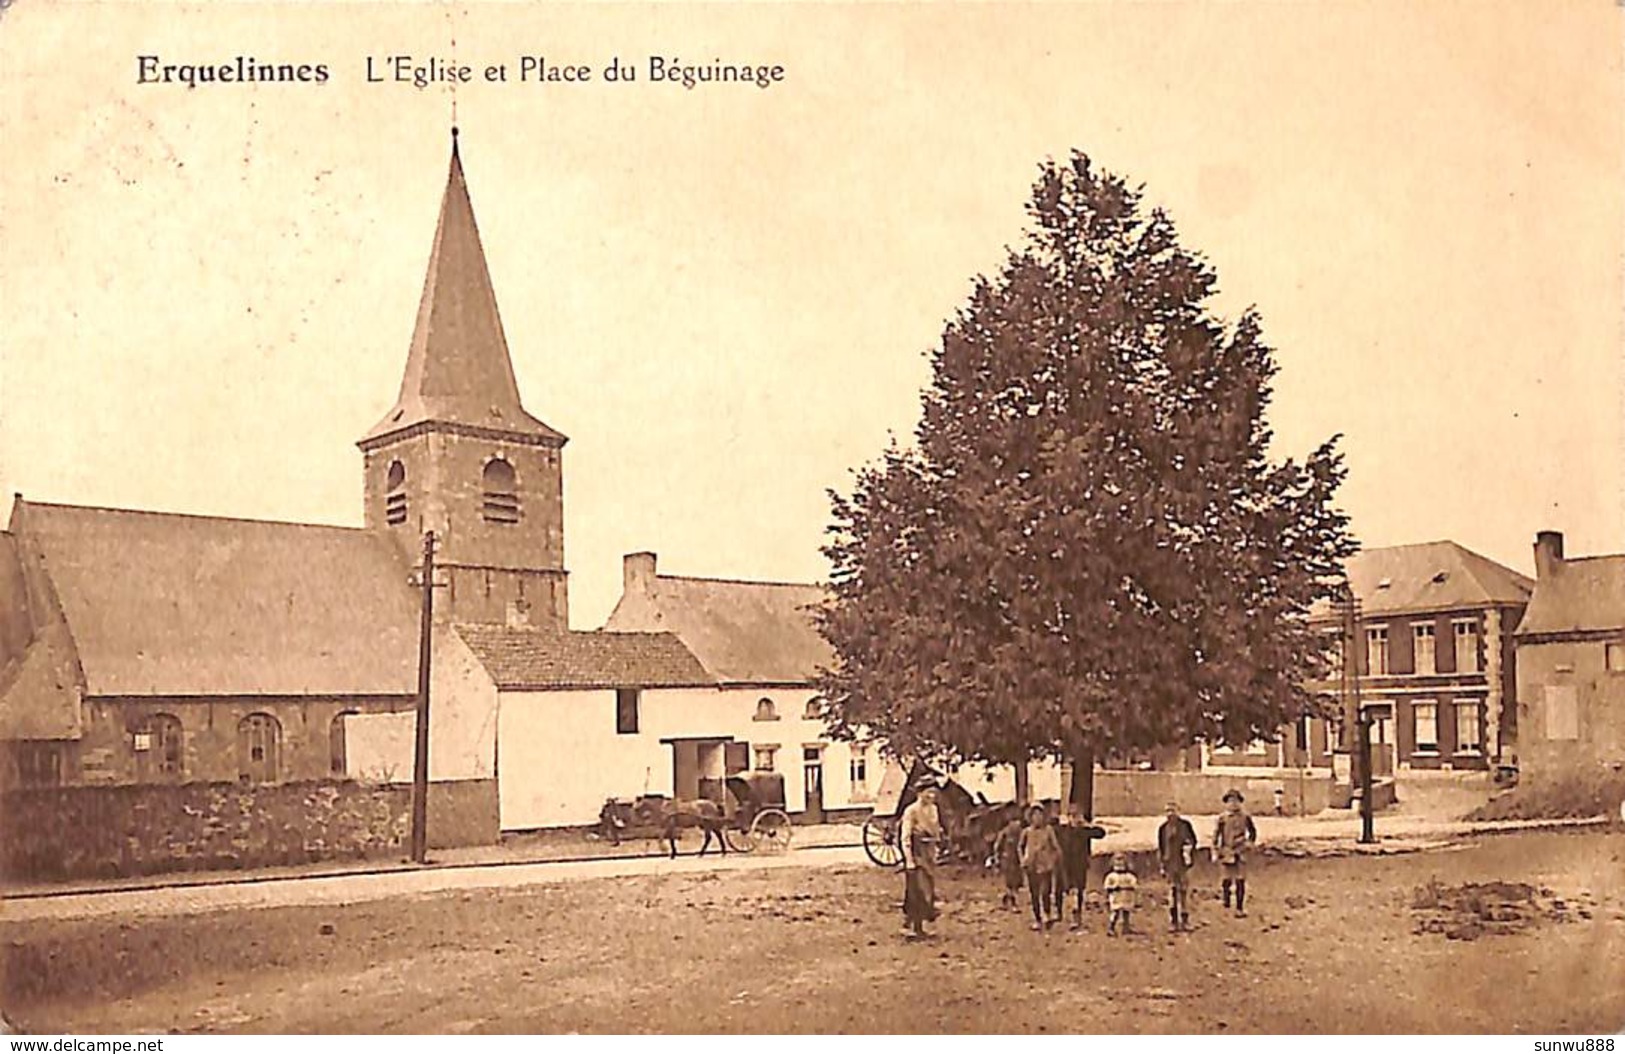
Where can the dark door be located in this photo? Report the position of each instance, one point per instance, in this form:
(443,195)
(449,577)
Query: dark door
(812,773)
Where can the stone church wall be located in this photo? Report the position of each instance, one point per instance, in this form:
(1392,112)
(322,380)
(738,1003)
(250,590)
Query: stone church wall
(101,832)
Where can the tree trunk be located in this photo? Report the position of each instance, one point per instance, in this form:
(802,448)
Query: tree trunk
(1024,785)
(1081,795)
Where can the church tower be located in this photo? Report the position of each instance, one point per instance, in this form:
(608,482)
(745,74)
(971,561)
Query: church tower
(459,455)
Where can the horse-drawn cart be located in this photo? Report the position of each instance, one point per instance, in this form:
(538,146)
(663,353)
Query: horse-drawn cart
(752,819)
(969,822)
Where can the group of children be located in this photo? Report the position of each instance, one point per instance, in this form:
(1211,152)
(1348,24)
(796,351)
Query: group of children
(1053,859)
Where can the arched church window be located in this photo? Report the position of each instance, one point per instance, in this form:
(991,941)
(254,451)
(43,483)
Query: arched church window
(259,741)
(395,494)
(501,493)
(338,764)
(159,748)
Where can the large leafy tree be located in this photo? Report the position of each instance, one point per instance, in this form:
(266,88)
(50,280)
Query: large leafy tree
(1088,550)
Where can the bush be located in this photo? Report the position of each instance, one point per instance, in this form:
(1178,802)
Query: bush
(1578,795)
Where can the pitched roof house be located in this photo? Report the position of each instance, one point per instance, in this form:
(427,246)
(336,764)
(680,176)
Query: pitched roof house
(1571,663)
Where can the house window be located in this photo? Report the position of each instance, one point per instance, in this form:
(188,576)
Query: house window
(1614,656)
(626,711)
(1376,651)
(1466,646)
(500,488)
(1467,729)
(813,710)
(859,769)
(259,738)
(338,762)
(1334,734)
(395,494)
(39,764)
(159,748)
(1562,712)
(1426,717)
(765,710)
(765,754)
(1426,655)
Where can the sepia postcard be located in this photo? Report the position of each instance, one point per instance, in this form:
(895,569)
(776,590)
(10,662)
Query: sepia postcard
(812,518)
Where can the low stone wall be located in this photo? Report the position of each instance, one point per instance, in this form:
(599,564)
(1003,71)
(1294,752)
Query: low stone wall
(1147,793)
(93,832)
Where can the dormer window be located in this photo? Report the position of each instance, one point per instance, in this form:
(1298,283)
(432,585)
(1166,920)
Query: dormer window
(395,494)
(501,493)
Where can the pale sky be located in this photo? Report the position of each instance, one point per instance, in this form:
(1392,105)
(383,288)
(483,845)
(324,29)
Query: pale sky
(724,296)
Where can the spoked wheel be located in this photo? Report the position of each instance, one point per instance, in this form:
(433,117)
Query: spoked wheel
(770,832)
(738,839)
(880,841)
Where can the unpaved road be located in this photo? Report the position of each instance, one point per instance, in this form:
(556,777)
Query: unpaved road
(1330,946)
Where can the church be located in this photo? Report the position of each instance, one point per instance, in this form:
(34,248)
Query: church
(187,691)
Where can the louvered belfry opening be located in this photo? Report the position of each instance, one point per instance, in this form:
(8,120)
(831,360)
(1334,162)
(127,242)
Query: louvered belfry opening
(501,493)
(395,495)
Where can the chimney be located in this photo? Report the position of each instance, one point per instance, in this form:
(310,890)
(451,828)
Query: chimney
(638,573)
(1548,553)
(518,614)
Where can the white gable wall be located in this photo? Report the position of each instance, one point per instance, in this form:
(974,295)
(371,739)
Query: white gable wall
(559,757)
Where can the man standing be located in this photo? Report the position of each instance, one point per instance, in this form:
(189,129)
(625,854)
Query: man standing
(919,832)
(1231,836)
(1176,852)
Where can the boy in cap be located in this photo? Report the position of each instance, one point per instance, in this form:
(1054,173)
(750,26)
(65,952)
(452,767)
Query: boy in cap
(1231,836)
(1040,856)
(1176,852)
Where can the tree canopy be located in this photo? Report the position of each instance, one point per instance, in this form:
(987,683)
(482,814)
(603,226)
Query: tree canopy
(1088,547)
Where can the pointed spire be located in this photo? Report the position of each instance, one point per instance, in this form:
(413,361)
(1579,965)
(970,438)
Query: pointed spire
(458,370)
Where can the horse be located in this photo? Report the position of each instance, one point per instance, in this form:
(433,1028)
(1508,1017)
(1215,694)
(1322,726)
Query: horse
(705,814)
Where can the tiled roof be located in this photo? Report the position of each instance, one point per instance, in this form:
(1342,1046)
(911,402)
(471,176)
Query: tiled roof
(744,632)
(1583,594)
(540,659)
(1430,576)
(457,369)
(166,604)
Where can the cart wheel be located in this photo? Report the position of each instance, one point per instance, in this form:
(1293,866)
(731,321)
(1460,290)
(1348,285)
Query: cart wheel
(880,842)
(738,839)
(770,832)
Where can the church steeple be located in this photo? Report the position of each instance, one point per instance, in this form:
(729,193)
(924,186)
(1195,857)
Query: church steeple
(459,456)
(458,371)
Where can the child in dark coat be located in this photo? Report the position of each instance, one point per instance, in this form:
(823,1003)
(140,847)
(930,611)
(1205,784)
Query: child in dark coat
(1075,833)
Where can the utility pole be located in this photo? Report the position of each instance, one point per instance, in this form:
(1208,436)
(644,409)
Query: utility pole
(420,758)
(1367,835)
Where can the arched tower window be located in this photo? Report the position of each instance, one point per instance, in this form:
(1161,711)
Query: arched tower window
(395,494)
(159,748)
(500,488)
(259,741)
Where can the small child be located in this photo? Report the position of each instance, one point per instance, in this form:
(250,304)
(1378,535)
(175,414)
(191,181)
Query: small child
(1120,887)
(1007,851)
(1040,856)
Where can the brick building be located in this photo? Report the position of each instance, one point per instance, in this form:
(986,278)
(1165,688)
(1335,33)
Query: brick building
(1434,654)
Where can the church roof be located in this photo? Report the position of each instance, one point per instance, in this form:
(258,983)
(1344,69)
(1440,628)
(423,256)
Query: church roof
(520,659)
(1430,576)
(165,604)
(1582,594)
(458,371)
(744,632)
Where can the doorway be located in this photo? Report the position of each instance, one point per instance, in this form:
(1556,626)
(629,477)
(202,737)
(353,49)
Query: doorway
(812,782)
